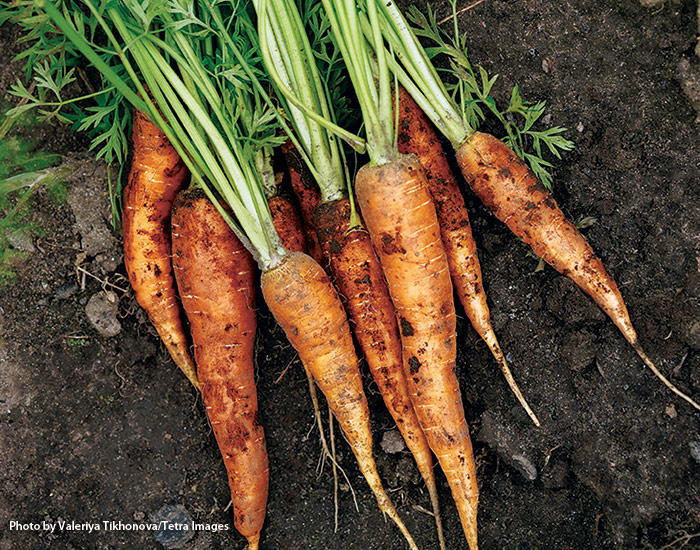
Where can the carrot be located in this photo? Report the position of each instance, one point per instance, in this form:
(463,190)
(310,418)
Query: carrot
(157,173)
(307,193)
(417,135)
(515,196)
(287,223)
(302,299)
(399,213)
(215,274)
(360,281)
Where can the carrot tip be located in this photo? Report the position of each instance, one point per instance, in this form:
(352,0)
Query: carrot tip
(649,363)
(491,341)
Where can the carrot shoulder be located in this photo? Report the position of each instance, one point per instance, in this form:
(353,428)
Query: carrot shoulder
(515,196)
(399,213)
(157,173)
(417,135)
(215,274)
(304,302)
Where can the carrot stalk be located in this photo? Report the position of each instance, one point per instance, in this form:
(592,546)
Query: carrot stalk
(215,274)
(157,173)
(304,302)
(515,196)
(399,213)
(417,135)
(360,281)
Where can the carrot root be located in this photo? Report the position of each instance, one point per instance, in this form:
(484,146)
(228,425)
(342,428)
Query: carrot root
(359,278)
(491,341)
(216,277)
(304,302)
(399,213)
(417,135)
(513,194)
(157,174)
(649,363)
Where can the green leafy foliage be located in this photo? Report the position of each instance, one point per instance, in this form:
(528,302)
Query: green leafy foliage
(55,85)
(471,87)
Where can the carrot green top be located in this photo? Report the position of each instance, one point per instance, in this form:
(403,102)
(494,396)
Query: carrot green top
(202,105)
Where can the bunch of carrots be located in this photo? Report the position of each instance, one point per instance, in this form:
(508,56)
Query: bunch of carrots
(217,88)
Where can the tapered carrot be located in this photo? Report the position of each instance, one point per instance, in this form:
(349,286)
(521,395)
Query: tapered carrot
(417,135)
(399,213)
(215,274)
(157,173)
(360,281)
(304,302)
(515,196)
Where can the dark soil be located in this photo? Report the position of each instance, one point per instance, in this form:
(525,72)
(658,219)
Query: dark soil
(96,428)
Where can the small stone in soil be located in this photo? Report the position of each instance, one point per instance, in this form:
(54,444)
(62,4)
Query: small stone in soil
(64,292)
(21,241)
(525,466)
(695,450)
(392,442)
(101,311)
(178,530)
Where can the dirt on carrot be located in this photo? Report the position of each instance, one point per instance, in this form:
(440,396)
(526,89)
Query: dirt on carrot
(398,210)
(304,302)
(417,135)
(157,174)
(215,275)
(360,281)
(515,196)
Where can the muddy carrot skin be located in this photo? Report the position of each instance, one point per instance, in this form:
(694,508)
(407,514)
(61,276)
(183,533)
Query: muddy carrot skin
(515,196)
(417,135)
(308,194)
(399,213)
(287,223)
(359,278)
(215,274)
(157,173)
(304,302)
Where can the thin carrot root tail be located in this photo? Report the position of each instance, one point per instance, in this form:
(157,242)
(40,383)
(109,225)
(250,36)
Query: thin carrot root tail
(435,503)
(387,507)
(491,341)
(649,363)
(184,361)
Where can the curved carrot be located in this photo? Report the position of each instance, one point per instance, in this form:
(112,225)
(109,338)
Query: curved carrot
(215,274)
(515,196)
(399,213)
(360,281)
(418,136)
(157,173)
(307,193)
(304,302)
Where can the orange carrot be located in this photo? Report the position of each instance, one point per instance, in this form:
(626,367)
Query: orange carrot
(360,281)
(417,135)
(215,274)
(399,213)
(309,196)
(302,299)
(287,223)
(514,195)
(157,174)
